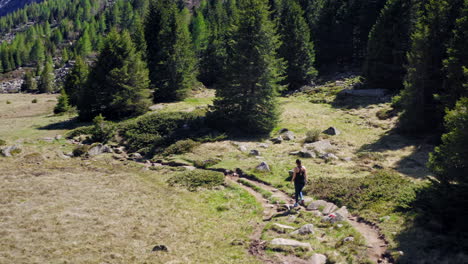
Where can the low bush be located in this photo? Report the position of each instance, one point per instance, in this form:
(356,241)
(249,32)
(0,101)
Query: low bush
(205,163)
(148,132)
(312,136)
(374,156)
(34,101)
(384,114)
(383,192)
(195,179)
(8,102)
(80,150)
(181,147)
(85,130)
(2,142)
(102,131)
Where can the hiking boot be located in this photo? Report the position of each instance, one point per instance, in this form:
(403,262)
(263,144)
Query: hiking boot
(302,203)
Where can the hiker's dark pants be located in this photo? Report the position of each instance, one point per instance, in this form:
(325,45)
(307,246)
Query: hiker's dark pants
(298,186)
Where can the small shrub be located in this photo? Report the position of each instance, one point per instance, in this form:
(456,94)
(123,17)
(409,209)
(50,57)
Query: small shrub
(312,135)
(85,130)
(34,101)
(80,150)
(15,151)
(181,147)
(206,163)
(195,179)
(102,131)
(374,156)
(384,114)
(62,105)
(2,142)
(8,102)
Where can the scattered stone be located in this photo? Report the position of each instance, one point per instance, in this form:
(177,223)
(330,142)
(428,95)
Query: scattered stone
(318,259)
(320,147)
(264,145)
(316,213)
(347,159)
(99,149)
(333,218)
(289,243)
(136,156)
(332,131)
(254,152)
(292,218)
(343,212)
(348,239)
(329,208)
(308,200)
(282,228)
(315,205)
(190,168)
(160,248)
(283,130)
(339,225)
(295,153)
(119,150)
(304,230)
(243,148)
(48,139)
(58,137)
(288,135)
(307,154)
(263,167)
(384,218)
(10,151)
(277,140)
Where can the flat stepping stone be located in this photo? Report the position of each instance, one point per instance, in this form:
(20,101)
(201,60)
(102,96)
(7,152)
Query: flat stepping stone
(283,242)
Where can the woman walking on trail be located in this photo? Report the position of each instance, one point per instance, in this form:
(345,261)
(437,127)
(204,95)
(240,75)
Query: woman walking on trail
(299,178)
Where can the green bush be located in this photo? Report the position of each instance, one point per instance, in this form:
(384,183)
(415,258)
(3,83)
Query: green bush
(102,131)
(180,147)
(205,163)
(383,192)
(2,142)
(85,130)
(384,114)
(80,150)
(195,179)
(312,136)
(8,102)
(148,132)
(34,101)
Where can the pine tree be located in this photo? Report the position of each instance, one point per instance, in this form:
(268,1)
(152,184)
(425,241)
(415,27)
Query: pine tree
(29,83)
(62,105)
(46,82)
(117,85)
(199,33)
(75,81)
(297,48)
(246,97)
(422,110)
(389,41)
(83,47)
(37,54)
(170,56)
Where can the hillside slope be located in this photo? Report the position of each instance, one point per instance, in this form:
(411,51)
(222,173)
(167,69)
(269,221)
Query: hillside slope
(8,6)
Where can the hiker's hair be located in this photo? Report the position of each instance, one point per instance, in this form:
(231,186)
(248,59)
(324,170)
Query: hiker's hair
(298,162)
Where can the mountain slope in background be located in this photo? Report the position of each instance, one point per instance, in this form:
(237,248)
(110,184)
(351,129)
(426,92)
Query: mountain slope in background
(8,6)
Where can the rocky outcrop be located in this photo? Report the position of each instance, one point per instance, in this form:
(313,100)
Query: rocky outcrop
(321,147)
(318,259)
(263,167)
(283,242)
(99,149)
(304,230)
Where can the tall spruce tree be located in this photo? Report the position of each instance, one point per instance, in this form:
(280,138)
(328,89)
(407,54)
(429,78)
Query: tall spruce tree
(170,56)
(117,85)
(296,49)
(29,82)
(422,109)
(246,98)
(199,33)
(389,41)
(76,80)
(47,78)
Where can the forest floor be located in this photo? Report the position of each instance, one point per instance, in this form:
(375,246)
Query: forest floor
(102,210)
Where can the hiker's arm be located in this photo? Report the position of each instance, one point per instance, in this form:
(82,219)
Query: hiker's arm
(305,174)
(294,175)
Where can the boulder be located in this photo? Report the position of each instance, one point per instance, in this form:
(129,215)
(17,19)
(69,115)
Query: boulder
(304,230)
(315,205)
(277,140)
(243,148)
(58,137)
(308,200)
(348,239)
(333,218)
(329,208)
(135,156)
(119,150)
(288,135)
(263,167)
(283,130)
(329,156)
(347,159)
(264,145)
(318,259)
(320,147)
(307,154)
(10,151)
(332,131)
(99,149)
(283,242)
(295,153)
(282,228)
(343,212)
(254,152)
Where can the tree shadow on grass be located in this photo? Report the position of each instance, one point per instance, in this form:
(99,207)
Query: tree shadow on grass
(347,101)
(413,165)
(66,124)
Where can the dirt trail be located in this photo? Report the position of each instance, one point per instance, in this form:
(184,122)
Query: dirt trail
(376,244)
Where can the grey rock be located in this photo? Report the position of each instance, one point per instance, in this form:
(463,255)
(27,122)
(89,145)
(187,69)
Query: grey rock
(277,140)
(254,152)
(288,135)
(289,243)
(329,208)
(343,212)
(332,131)
(243,148)
(308,200)
(190,168)
(135,156)
(318,259)
(321,147)
(58,137)
(307,154)
(347,159)
(292,218)
(10,151)
(315,205)
(333,218)
(119,150)
(263,167)
(48,139)
(282,228)
(99,149)
(264,145)
(329,156)
(281,131)
(304,230)
(295,153)
(348,239)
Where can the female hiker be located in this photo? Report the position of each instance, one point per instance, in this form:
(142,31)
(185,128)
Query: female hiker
(299,178)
